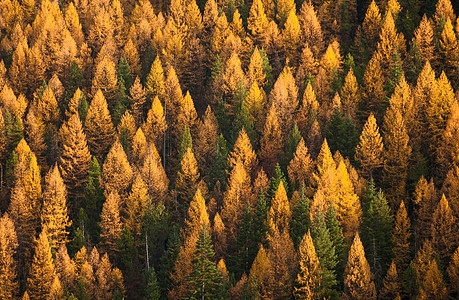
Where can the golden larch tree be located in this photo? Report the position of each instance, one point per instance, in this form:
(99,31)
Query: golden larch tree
(187,177)
(425,201)
(350,96)
(65,268)
(396,155)
(401,237)
(155,84)
(257,21)
(424,39)
(155,125)
(138,100)
(9,286)
(448,49)
(110,222)
(255,102)
(136,205)
(358,279)
(453,272)
(444,230)
(75,158)
(271,142)
(433,286)
(311,28)
(105,80)
(279,214)
(42,272)
(139,148)
(391,288)
(206,140)
(373,94)
(154,176)
(54,216)
(243,151)
(261,275)
(116,171)
(308,278)
(291,36)
(369,151)
(300,167)
(99,127)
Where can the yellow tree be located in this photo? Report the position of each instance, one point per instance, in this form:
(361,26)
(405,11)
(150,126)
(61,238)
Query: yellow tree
(291,36)
(444,229)
(154,176)
(284,97)
(99,127)
(453,272)
(308,278)
(279,214)
(447,153)
(391,288)
(136,205)
(448,49)
(54,217)
(350,96)
(401,237)
(396,155)
(105,80)
(244,152)
(42,273)
(425,200)
(255,102)
(155,84)
(206,140)
(187,179)
(311,28)
(65,268)
(300,167)
(155,125)
(138,100)
(370,148)
(438,111)
(238,192)
(116,171)
(373,86)
(271,142)
(110,222)
(424,39)
(255,72)
(257,21)
(197,217)
(9,287)
(75,158)
(261,275)
(358,279)
(433,286)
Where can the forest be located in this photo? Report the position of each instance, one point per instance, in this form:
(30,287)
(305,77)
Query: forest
(229,149)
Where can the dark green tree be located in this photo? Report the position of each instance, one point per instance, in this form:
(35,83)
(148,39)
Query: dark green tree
(325,251)
(376,232)
(336,236)
(167,261)
(243,120)
(342,135)
(94,198)
(185,143)
(301,220)
(220,165)
(124,71)
(152,290)
(75,81)
(205,280)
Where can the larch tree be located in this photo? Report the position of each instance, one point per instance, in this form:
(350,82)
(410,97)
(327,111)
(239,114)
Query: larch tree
(433,285)
(261,275)
(271,141)
(65,268)
(238,192)
(154,176)
(257,21)
(358,279)
(424,39)
(425,202)
(139,147)
(138,100)
(300,167)
(187,178)
(369,151)
(9,286)
(75,159)
(255,102)
(453,272)
(438,110)
(391,288)
(99,127)
(54,217)
(291,36)
(42,272)
(116,171)
(308,278)
(311,28)
(136,205)
(243,151)
(401,238)
(444,230)
(155,124)
(206,140)
(110,222)
(350,96)
(396,155)
(279,214)
(155,84)
(448,49)
(373,95)
(105,80)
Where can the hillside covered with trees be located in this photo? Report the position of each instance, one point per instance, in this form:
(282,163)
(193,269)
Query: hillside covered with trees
(229,149)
